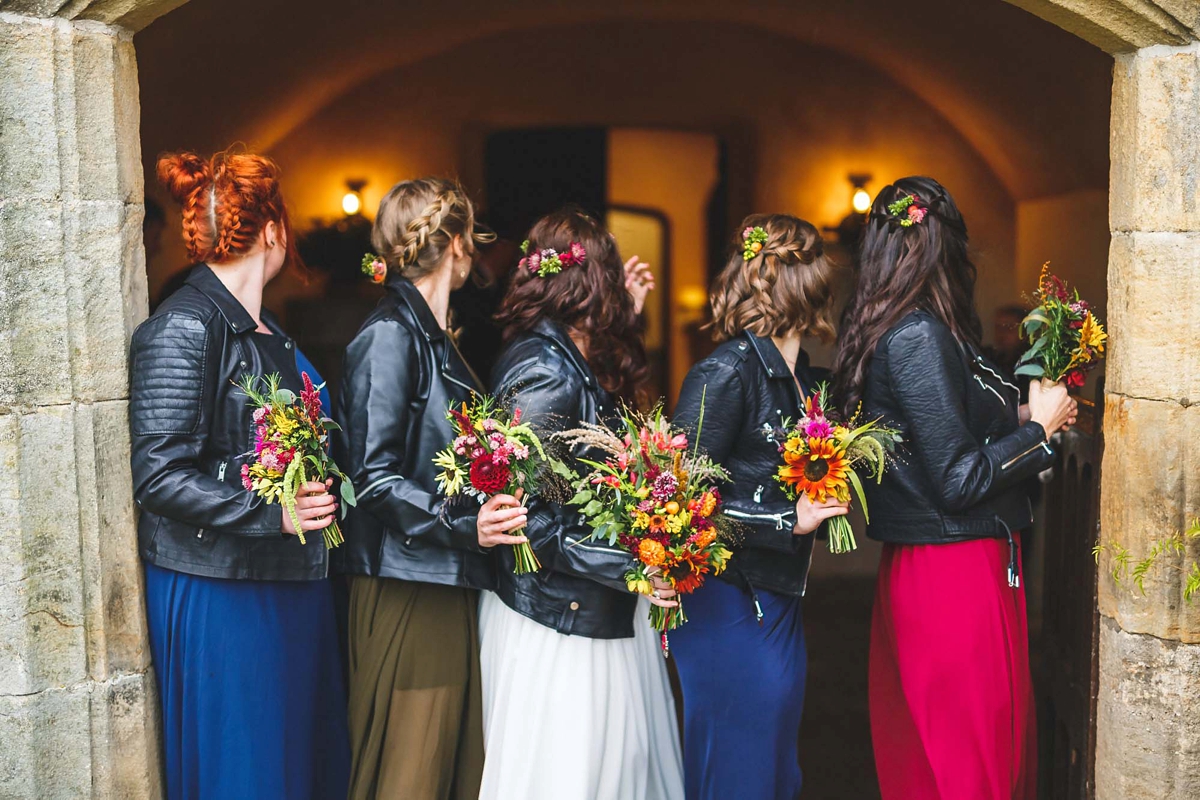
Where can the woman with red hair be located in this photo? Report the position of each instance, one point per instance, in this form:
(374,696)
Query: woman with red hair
(240,613)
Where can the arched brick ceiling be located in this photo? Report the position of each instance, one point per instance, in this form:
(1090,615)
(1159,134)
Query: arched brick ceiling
(1031,98)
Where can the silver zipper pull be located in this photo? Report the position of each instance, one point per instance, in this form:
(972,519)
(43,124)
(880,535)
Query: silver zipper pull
(983,384)
(758,494)
(221,471)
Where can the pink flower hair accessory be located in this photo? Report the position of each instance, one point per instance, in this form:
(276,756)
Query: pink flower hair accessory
(549,261)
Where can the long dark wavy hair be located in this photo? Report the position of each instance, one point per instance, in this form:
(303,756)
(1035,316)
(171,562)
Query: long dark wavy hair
(901,269)
(590,299)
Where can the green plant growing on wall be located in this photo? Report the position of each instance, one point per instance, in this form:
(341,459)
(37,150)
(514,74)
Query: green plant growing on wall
(1125,568)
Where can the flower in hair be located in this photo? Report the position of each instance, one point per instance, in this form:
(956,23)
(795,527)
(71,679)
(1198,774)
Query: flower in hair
(753,240)
(551,262)
(908,211)
(374,267)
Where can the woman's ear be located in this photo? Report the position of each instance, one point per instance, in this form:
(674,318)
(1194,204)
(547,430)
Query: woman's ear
(271,236)
(458,247)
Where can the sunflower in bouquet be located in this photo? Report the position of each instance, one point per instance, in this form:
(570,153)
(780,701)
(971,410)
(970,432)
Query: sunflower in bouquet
(655,496)
(820,459)
(493,452)
(1066,339)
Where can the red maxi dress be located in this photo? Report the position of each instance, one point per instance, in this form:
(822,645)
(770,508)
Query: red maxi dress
(952,706)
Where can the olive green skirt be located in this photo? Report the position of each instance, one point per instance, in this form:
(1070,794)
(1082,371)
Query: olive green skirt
(416,718)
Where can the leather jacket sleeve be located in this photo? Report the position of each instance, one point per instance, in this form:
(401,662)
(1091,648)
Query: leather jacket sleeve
(768,523)
(170,410)
(380,395)
(550,400)
(928,380)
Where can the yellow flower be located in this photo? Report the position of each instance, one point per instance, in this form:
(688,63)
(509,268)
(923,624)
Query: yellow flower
(674,523)
(1092,333)
(719,556)
(638,585)
(641,521)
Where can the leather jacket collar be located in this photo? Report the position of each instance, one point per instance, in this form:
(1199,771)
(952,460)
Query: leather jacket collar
(411,296)
(206,281)
(776,367)
(558,334)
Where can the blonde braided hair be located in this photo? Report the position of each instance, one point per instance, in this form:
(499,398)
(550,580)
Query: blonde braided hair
(418,220)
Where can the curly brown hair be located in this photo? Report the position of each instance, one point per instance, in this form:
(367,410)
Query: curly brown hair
(784,288)
(590,299)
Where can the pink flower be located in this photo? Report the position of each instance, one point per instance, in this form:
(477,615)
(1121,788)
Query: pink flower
(646,506)
(578,252)
(747,232)
(679,442)
(478,453)
(818,429)
(260,414)
(917,214)
(521,452)
(489,424)
(246,478)
(516,416)
(534,261)
(500,456)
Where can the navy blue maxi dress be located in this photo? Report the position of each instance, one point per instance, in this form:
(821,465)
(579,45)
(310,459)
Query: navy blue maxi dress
(253,700)
(743,689)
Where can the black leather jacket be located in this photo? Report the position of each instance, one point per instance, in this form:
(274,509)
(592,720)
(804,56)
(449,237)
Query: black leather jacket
(965,460)
(580,588)
(748,393)
(400,375)
(191,430)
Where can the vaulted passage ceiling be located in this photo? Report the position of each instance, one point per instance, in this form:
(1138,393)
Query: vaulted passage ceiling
(1029,97)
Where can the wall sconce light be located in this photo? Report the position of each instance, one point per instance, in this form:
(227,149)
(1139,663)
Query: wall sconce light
(352,200)
(860,201)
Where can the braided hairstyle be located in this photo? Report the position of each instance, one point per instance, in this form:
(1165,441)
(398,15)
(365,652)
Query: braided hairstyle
(785,288)
(902,268)
(418,220)
(227,201)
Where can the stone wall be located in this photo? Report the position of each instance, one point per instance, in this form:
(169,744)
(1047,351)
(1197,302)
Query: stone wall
(77,715)
(1148,737)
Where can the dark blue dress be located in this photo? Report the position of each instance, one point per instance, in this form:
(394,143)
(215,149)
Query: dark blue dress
(251,683)
(743,690)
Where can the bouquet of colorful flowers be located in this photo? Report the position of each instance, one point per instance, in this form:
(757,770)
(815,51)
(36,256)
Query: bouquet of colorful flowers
(493,452)
(291,437)
(1066,340)
(819,459)
(658,500)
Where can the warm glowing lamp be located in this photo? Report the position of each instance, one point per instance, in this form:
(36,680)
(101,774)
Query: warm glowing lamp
(352,200)
(860,201)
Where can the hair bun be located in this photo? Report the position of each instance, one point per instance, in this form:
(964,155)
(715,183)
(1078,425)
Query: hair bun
(182,174)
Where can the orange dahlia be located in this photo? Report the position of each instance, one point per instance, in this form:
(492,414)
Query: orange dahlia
(651,553)
(821,471)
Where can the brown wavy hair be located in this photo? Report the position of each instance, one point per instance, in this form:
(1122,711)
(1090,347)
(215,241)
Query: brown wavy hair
(924,266)
(226,200)
(590,299)
(785,288)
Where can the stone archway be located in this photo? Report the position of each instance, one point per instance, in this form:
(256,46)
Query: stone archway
(76,695)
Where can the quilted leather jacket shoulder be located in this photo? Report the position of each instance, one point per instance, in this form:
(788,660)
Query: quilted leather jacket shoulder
(191,431)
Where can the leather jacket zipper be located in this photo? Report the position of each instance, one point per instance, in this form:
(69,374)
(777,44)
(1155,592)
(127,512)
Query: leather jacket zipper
(778,519)
(1014,574)
(1043,444)
(983,365)
(983,385)
(221,470)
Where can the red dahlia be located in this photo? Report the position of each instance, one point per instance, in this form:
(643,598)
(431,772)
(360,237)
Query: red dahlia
(487,476)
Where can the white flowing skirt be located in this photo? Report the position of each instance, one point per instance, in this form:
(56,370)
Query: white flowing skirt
(572,718)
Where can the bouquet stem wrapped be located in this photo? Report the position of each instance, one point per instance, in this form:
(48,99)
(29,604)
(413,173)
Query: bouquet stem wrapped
(291,438)
(820,456)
